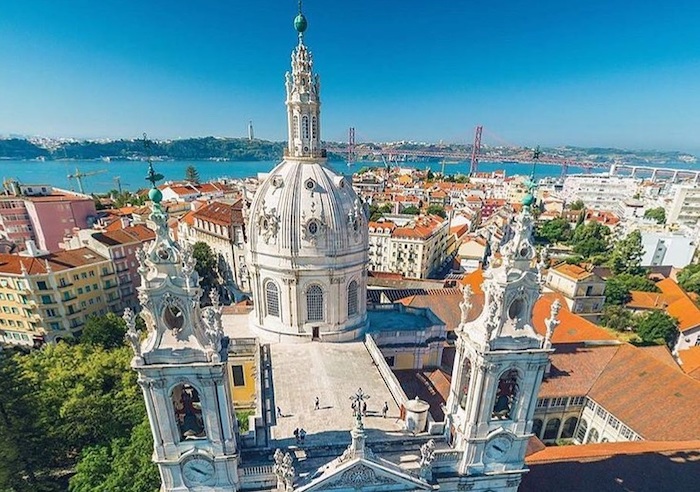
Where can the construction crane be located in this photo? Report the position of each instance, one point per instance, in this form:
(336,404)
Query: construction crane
(78,176)
(118,181)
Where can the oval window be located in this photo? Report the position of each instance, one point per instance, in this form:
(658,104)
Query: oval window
(312,227)
(516,308)
(310,184)
(163,254)
(173,317)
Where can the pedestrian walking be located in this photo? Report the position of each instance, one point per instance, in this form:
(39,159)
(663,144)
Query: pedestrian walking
(296,435)
(279,413)
(364,408)
(317,405)
(385,409)
(354,409)
(302,435)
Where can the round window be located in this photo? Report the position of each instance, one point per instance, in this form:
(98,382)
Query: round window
(310,184)
(516,308)
(163,253)
(524,251)
(312,227)
(265,224)
(173,317)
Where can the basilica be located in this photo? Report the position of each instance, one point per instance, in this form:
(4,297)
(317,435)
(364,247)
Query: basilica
(313,364)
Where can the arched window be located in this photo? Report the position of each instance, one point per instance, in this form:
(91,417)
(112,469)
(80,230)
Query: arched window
(551,429)
(581,431)
(295,126)
(569,427)
(506,395)
(592,436)
(314,303)
(305,127)
(466,379)
(188,412)
(537,427)
(314,127)
(352,298)
(272,299)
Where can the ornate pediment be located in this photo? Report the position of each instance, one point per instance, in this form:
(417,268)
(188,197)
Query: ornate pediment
(366,475)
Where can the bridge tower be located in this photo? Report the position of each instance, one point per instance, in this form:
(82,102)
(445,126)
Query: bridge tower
(476,150)
(351,145)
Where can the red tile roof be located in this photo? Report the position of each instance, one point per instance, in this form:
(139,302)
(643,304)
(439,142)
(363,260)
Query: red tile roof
(683,309)
(57,261)
(572,328)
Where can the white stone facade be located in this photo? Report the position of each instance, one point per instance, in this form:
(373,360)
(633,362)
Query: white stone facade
(685,207)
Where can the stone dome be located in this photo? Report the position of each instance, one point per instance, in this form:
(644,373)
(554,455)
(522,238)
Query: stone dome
(304,209)
(308,253)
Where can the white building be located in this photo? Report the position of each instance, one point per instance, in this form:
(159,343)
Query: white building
(667,249)
(599,191)
(685,205)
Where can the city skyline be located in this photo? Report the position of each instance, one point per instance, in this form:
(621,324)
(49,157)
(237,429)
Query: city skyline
(611,74)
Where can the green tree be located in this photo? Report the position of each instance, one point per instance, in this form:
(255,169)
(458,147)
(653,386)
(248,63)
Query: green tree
(618,287)
(577,205)
(430,176)
(104,331)
(436,210)
(689,278)
(657,327)
(25,449)
(590,239)
(626,256)
(617,318)
(411,210)
(554,231)
(206,265)
(374,213)
(658,214)
(191,174)
(386,208)
(124,464)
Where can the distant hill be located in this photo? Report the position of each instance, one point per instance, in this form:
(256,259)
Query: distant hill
(242,149)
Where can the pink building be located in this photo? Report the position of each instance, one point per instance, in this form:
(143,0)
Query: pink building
(43,214)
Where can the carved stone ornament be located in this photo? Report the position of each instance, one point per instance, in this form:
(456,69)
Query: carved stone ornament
(312,230)
(361,475)
(268,223)
(188,260)
(132,336)
(172,312)
(466,305)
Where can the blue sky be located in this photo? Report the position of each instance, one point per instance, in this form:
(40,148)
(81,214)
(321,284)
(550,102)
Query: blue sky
(591,73)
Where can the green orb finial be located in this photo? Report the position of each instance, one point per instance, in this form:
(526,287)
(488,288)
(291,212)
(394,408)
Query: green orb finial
(155,195)
(300,23)
(528,200)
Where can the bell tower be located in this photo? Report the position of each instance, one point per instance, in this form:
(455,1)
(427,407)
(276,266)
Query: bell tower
(498,368)
(181,364)
(303,100)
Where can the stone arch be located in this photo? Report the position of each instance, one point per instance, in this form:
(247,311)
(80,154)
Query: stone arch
(506,397)
(272,298)
(305,127)
(466,381)
(567,431)
(581,431)
(551,430)
(187,407)
(353,298)
(315,302)
(593,436)
(537,427)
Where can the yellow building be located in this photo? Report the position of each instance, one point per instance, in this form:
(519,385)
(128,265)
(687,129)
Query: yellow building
(243,357)
(47,297)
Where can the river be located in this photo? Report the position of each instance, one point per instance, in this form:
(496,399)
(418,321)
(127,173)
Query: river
(132,174)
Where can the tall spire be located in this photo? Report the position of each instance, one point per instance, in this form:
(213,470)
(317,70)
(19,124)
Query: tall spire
(303,100)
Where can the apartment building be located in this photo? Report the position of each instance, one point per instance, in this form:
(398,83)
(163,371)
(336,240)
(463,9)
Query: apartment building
(221,225)
(685,205)
(120,246)
(599,191)
(42,214)
(48,297)
(583,291)
(415,248)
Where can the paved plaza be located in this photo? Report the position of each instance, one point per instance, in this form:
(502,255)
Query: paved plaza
(333,372)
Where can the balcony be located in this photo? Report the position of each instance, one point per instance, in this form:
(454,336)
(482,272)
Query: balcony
(106,274)
(110,286)
(65,285)
(69,298)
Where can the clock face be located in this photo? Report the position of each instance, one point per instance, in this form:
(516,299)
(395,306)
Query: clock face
(497,448)
(198,470)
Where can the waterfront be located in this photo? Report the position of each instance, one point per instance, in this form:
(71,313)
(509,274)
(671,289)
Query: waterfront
(132,173)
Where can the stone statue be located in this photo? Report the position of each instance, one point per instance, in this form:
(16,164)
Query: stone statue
(284,471)
(188,262)
(133,336)
(427,455)
(551,323)
(466,305)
